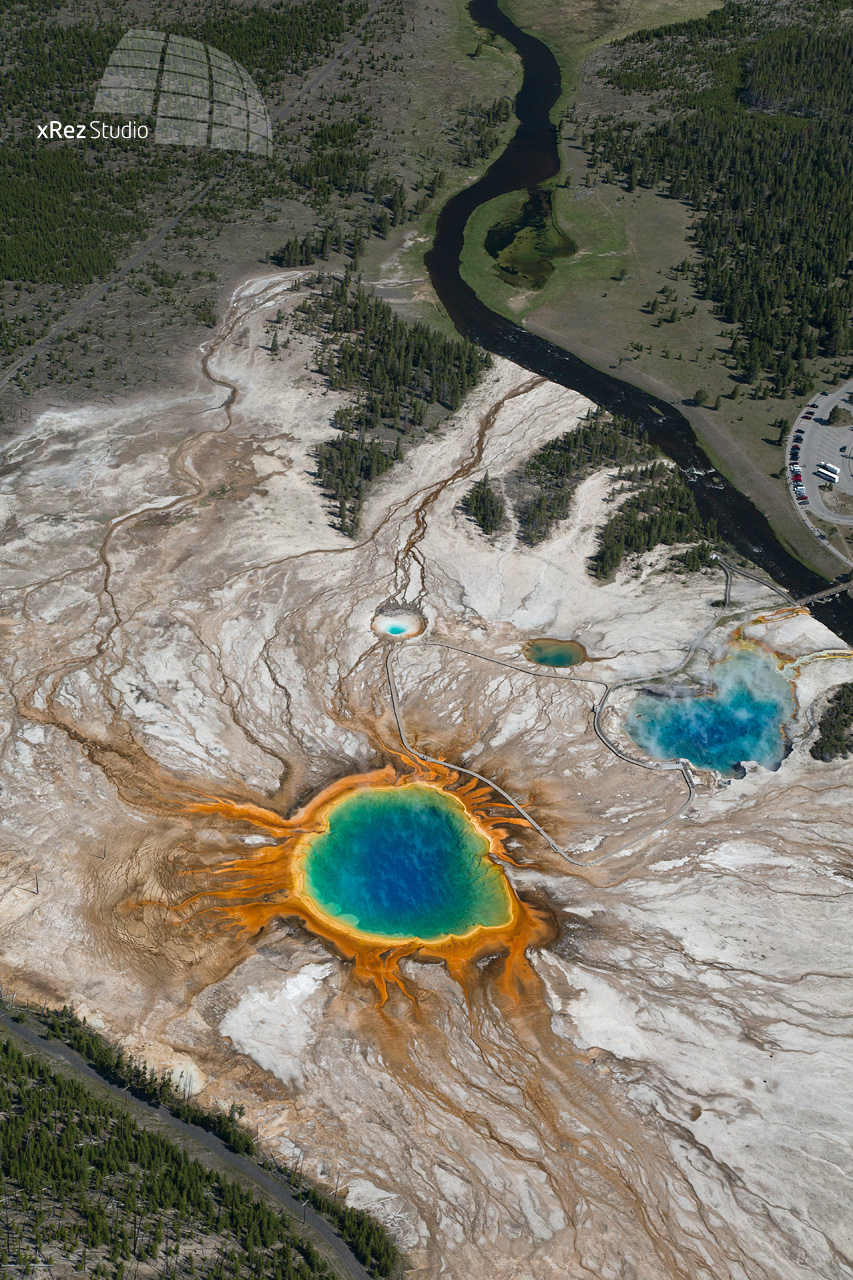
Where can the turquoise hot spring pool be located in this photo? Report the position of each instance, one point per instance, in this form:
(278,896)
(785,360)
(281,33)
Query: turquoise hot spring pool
(741,719)
(405,862)
(555,653)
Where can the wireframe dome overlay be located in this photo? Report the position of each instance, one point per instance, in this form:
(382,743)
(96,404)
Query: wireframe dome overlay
(199,96)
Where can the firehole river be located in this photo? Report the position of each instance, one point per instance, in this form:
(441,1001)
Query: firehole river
(530,158)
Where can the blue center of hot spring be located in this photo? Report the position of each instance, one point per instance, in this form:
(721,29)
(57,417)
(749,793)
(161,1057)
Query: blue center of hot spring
(740,720)
(405,862)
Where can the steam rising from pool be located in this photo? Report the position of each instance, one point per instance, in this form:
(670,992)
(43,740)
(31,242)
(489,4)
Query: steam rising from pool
(741,718)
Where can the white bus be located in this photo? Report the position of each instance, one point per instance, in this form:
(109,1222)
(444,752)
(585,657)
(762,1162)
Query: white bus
(827,466)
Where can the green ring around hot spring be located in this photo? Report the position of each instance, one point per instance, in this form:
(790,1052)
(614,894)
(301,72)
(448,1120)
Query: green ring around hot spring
(404,864)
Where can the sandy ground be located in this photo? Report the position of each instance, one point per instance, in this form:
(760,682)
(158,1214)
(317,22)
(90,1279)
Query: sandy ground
(668,1099)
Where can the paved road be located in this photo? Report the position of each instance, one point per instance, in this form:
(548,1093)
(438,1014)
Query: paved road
(823,443)
(77,312)
(344,1259)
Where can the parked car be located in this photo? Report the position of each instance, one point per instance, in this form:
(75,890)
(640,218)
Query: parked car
(808,415)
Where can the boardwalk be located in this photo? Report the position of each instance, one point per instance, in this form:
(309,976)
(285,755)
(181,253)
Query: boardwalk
(837,588)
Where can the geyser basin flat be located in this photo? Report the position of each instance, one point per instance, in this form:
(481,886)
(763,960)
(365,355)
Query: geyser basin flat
(403,863)
(555,653)
(740,720)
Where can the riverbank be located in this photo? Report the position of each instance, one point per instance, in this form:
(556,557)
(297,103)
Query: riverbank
(618,302)
(726,453)
(530,158)
(573,28)
(27,1030)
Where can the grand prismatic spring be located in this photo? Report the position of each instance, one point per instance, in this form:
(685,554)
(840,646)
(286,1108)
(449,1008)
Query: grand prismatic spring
(382,865)
(405,863)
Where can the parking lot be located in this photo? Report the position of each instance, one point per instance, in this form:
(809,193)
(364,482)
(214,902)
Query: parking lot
(823,443)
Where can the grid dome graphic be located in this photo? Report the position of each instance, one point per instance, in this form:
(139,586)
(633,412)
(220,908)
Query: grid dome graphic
(198,96)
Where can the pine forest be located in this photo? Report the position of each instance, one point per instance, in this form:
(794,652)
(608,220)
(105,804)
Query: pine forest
(754,104)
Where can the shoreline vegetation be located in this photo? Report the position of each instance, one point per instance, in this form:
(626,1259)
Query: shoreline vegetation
(657,507)
(635,297)
(82,1184)
(367,1238)
(754,106)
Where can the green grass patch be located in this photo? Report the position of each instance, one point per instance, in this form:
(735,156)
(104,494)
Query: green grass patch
(479,269)
(573,28)
(603,252)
